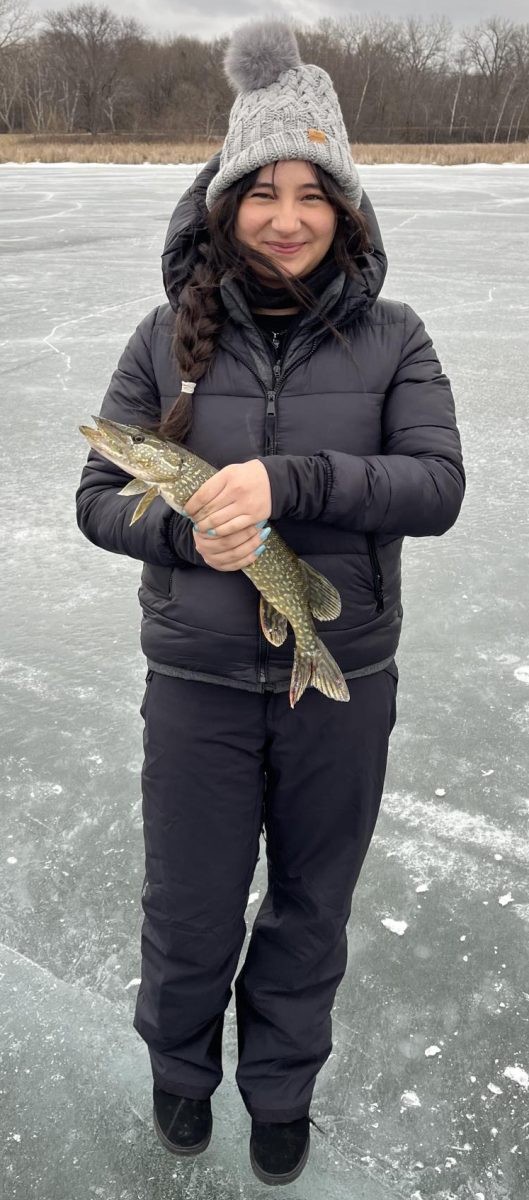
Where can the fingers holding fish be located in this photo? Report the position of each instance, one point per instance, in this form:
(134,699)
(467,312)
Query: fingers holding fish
(237,493)
(233,552)
(224,521)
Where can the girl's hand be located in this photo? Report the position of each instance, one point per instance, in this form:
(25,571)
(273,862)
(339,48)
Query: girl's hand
(231,552)
(236,497)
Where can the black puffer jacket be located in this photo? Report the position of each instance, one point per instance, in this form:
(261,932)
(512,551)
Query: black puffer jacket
(361,451)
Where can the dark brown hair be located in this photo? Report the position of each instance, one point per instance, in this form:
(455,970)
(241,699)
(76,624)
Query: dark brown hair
(201,314)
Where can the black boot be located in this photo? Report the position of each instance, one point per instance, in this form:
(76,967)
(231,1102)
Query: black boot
(183,1125)
(278,1152)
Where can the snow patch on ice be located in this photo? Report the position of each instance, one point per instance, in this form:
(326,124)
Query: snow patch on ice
(518,1075)
(522,673)
(395,926)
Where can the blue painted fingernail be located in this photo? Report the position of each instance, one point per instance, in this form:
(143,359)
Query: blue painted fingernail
(185,514)
(212,532)
(260,550)
(260,524)
(264,533)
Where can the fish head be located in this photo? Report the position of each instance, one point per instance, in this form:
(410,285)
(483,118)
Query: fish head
(139,451)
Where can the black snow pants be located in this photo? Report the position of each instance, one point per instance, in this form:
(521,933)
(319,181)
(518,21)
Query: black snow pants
(220,766)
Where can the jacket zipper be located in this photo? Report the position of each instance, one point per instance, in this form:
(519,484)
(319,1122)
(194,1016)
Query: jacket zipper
(378,580)
(271,397)
(271,408)
(270,445)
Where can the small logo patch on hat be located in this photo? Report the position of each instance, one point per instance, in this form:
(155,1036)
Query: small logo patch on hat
(317,135)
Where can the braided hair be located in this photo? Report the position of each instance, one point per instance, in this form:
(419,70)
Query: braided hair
(201,314)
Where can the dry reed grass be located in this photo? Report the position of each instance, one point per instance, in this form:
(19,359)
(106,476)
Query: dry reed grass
(23,148)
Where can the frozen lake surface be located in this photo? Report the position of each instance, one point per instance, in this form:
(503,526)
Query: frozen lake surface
(426,1093)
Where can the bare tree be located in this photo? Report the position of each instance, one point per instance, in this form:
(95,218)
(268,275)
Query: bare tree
(16,23)
(492,58)
(87,44)
(491,51)
(15,28)
(40,88)
(423,50)
(11,85)
(460,65)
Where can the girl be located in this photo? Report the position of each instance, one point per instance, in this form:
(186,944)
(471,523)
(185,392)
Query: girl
(326,411)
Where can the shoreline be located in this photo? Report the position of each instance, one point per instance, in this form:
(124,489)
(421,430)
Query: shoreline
(19,150)
(199,165)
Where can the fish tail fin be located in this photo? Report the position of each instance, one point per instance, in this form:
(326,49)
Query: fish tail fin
(321,671)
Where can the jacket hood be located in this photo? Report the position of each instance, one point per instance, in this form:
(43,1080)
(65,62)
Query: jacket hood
(188,227)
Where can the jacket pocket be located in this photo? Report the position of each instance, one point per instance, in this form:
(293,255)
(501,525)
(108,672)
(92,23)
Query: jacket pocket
(378,581)
(157,578)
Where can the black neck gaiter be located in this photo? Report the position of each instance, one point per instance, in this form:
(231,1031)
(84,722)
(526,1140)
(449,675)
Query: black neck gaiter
(259,295)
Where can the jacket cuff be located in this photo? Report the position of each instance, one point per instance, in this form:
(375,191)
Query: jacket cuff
(181,541)
(299,484)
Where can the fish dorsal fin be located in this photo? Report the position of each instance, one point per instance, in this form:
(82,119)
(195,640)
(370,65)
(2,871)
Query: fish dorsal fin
(273,623)
(144,504)
(324,600)
(134,487)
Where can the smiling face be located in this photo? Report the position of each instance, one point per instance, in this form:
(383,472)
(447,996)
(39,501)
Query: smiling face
(299,214)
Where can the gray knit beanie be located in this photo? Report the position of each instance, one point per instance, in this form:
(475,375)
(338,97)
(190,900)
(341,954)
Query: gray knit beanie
(285,109)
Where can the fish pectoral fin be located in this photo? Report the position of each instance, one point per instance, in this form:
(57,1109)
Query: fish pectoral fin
(324,599)
(134,487)
(273,623)
(144,504)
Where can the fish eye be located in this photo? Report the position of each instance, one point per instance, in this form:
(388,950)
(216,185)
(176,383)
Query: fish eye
(138,437)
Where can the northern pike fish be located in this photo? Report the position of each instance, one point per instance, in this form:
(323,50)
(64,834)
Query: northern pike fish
(291,590)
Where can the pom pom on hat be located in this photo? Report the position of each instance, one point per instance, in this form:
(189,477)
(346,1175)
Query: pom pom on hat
(259,53)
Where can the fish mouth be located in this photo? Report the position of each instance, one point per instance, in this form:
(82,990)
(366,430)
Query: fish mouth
(119,431)
(119,434)
(93,436)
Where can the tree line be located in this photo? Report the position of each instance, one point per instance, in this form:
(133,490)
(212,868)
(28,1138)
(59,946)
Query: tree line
(85,70)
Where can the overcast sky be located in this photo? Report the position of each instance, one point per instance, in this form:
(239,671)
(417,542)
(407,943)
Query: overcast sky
(213,18)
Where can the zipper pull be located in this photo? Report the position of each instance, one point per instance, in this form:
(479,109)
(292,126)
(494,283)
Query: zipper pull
(271,397)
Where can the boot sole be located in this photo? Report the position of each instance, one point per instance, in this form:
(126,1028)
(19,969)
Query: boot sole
(265,1177)
(184,1150)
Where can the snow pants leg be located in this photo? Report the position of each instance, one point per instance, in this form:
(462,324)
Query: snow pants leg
(220,763)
